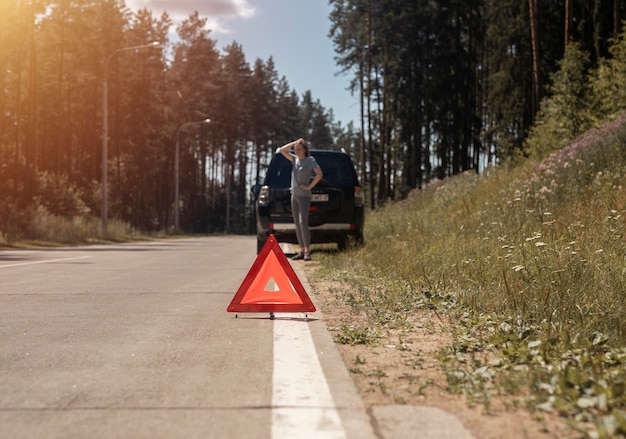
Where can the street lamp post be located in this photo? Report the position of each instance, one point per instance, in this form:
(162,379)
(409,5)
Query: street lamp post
(177,172)
(105,128)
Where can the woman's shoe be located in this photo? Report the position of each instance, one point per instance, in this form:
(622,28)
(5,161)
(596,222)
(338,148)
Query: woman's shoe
(298,256)
(307,256)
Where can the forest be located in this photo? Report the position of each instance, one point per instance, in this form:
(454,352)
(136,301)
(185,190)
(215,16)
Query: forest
(110,113)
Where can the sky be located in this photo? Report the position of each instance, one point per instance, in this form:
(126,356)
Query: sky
(293,32)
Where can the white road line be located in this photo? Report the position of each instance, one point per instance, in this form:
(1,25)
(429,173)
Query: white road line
(302,405)
(47,261)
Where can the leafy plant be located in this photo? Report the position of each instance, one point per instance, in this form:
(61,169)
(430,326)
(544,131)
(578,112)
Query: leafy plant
(354,335)
(526,266)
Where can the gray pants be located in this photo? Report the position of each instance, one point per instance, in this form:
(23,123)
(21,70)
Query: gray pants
(300,209)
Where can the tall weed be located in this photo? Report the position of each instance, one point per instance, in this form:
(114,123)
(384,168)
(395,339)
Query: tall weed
(45,228)
(531,263)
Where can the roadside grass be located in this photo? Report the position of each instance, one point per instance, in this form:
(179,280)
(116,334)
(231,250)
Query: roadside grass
(49,230)
(528,262)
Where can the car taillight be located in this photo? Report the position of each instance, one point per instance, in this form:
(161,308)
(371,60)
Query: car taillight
(264,195)
(358,195)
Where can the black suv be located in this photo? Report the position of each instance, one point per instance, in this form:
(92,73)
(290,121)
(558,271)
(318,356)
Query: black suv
(336,213)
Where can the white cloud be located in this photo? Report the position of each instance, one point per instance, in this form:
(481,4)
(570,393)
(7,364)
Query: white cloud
(215,11)
(244,9)
(221,8)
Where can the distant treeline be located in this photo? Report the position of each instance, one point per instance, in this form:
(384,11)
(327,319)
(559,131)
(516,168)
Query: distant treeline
(444,87)
(452,85)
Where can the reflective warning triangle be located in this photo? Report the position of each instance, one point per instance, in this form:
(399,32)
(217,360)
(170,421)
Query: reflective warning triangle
(271,285)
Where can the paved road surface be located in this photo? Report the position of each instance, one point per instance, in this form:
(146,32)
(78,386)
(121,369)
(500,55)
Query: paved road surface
(134,341)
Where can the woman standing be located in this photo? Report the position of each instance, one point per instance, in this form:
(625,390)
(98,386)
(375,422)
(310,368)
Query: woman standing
(304,166)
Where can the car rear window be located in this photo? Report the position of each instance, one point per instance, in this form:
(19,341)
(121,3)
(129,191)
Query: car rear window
(337,168)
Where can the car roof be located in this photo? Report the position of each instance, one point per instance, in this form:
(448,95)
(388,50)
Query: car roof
(320,151)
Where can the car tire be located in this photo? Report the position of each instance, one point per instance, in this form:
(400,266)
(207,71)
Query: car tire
(344,241)
(259,244)
(358,240)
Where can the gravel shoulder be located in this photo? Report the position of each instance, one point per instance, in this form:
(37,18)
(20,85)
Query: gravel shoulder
(400,374)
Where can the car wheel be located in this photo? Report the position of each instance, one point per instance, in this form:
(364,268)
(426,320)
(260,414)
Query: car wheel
(353,241)
(358,240)
(342,243)
(259,245)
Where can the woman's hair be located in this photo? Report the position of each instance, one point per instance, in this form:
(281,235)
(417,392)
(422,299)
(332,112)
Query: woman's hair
(305,147)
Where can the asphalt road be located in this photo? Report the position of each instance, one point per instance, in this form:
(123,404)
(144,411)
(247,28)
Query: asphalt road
(134,341)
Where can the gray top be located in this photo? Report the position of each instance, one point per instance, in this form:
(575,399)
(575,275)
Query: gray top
(302,173)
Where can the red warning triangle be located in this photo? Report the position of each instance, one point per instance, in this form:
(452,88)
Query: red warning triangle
(271,285)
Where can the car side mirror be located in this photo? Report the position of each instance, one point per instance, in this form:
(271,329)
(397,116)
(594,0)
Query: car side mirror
(256,189)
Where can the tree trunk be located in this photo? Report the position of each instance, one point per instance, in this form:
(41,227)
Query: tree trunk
(616,19)
(568,23)
(362,134)
(369,106)
(534,24)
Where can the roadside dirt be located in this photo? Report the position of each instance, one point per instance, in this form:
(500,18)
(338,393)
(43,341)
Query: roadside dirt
(402,368)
